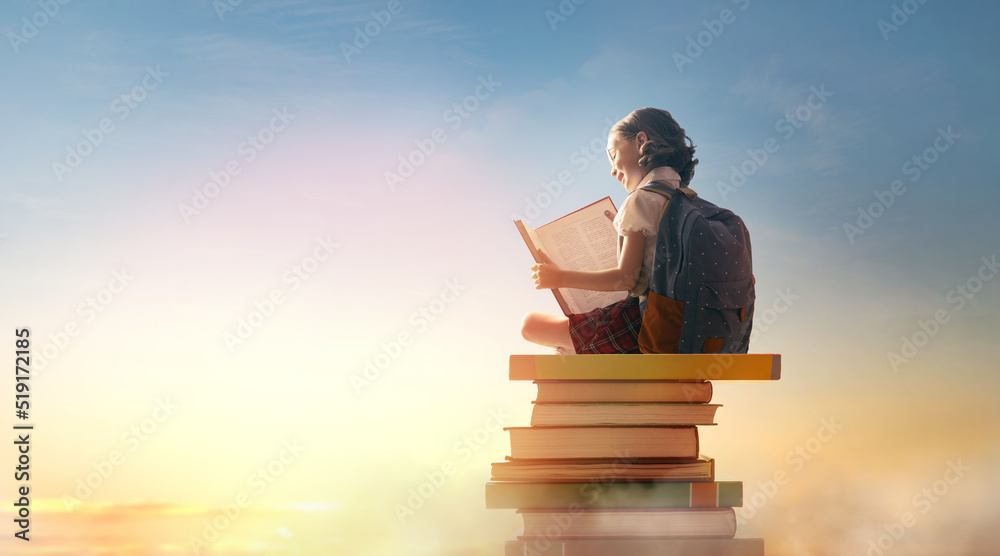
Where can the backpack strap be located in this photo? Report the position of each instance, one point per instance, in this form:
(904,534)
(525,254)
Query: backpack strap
(664,189)
(668,191)
(661,188)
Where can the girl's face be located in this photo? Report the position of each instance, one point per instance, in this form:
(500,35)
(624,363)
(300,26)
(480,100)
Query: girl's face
(624,157)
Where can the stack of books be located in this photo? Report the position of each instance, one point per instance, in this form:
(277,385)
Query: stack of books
(611,462)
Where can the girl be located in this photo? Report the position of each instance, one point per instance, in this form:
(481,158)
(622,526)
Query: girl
(645,146)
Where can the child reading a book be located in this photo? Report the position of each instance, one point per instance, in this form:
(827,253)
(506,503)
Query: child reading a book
(647,145)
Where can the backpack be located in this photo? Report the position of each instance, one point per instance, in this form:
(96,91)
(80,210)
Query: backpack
(701,286)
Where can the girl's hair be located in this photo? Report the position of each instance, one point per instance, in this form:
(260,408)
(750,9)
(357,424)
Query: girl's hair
(668,145)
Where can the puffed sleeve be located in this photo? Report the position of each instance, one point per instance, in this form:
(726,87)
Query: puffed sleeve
(640,213)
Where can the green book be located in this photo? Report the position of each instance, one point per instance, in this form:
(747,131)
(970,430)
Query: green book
(597,494)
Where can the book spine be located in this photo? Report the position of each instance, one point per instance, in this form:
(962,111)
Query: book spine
(680,442)
(737,546)
(607,495)
(683,366)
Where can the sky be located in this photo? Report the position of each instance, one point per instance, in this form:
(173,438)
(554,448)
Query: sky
(265,255)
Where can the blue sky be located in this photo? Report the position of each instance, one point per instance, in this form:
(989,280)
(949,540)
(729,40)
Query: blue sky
(511,98)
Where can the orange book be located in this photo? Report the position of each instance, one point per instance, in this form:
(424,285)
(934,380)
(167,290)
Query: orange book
(570,414)
(622,468)
(604,442)
(612,391)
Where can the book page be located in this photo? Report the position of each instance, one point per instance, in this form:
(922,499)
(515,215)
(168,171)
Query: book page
(584,240)
(531,239)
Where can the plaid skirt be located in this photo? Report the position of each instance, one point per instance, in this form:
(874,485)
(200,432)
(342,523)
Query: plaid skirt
(611,329)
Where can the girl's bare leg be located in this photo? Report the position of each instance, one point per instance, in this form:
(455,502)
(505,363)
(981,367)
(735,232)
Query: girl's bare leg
(547,330)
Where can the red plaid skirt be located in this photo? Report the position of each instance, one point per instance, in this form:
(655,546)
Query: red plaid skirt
(611,329)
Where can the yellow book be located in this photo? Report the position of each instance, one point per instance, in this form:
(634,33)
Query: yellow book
(685,366)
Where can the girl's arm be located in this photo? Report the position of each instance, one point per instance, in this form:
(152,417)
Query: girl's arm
(549,276)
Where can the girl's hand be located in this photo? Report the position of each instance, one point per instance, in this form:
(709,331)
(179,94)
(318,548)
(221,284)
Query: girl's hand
(546,274)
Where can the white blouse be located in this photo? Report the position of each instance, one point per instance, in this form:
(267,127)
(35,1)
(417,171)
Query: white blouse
(641,213)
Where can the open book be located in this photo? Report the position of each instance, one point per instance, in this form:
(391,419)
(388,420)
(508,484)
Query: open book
(582,240)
